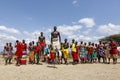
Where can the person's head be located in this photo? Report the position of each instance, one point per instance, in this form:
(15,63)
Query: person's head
(17,41)
(100,42)
(81,42)
(10,44)
(65,40)
(55,28)
(23,41)
(6,44)
(76,42)
(33,42)
(30,43)
(85,43)
(96,45)
(73,40)
(89,43)
(51,47)
(92,44)
(41,33)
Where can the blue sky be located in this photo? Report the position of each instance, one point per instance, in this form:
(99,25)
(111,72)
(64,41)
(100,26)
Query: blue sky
(86,20)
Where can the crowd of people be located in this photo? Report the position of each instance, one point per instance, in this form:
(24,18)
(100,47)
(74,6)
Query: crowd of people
(57,52)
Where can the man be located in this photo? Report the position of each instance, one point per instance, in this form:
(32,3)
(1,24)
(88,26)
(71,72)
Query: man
(41,40)
(54,38)
(55,41)
(65,52)
(113,51)
(6,53)
(10,52)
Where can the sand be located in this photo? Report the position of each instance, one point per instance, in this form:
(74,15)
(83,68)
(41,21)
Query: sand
(60,72)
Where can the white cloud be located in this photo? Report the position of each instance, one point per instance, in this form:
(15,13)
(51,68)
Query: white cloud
(109,29)
(10,30)
(89,38)
(87,32)
(74,2)
(27,33)
(7,37)
(69,30)
(88,22)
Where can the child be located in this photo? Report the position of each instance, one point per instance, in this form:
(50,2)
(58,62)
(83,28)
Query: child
(46,52)
(52,54)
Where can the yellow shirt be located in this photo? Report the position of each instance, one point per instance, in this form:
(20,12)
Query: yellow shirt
(73,47)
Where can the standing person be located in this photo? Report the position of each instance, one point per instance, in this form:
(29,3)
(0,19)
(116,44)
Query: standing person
(31,49)
(101,52)
(41,40)
(37,53)
(10,53)
(6,53)
(52,54)
(18,52)
(77,52)
(86,52)
(62,51)
(73,50)
(56,40)
(46,53)
(94,53)
(65,52)
(90,50)
(24,47)
(82,52)
(24,53)
(105,52)
(113,51)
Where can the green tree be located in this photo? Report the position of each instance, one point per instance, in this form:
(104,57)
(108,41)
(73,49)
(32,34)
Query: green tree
(115,37)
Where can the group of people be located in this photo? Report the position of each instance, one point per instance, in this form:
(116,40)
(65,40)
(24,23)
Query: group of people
(58,51)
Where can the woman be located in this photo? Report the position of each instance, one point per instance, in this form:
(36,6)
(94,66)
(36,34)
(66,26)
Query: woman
(18,52)
(82,52)
(90,50)
(94,53)
(31,49)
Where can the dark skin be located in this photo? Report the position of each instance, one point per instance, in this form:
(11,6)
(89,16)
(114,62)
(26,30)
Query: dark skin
(41,37)
(55,34)
(24,43)
(66,46)
(6,48)
(10,49)
(81,44)
(73,41)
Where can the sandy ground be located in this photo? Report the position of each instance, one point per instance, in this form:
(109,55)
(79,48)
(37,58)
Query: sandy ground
(60,72)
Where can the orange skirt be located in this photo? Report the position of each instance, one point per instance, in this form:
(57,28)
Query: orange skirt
(31,55)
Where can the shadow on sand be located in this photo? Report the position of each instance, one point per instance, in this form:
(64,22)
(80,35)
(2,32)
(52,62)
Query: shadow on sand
(52,66)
